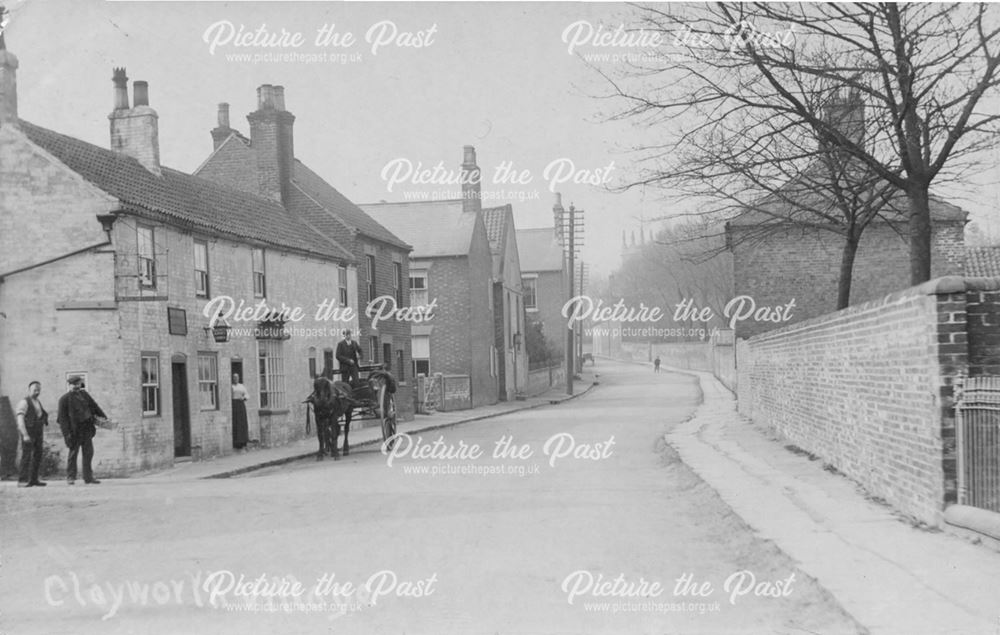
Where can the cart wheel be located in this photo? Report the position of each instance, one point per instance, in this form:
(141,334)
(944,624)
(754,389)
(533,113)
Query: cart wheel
(387,412)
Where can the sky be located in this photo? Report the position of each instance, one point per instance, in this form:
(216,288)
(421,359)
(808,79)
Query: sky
(417,82)
(498,77)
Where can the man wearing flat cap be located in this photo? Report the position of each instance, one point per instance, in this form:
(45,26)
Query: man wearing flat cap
(78,414)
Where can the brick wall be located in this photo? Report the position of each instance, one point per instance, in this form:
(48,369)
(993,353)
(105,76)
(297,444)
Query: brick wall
(551,293)
(869,389)
(804,264)
(392,331)
(463,321)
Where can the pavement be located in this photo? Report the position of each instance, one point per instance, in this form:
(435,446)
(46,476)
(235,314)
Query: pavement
(890,575)
(257,459)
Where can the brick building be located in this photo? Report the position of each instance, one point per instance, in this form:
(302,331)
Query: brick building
(125,256)
(451,265)
(544,278)
(799,263)
(508,302)
(265,162)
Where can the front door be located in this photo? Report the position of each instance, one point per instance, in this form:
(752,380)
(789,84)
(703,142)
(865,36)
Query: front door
(182,414)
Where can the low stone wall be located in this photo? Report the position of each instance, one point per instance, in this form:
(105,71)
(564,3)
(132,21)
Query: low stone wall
(869,388)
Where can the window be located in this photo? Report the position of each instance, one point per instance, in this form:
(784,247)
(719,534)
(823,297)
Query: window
(342,284)
(208,381)
(397,283)
(271,372)
(328,363)
(529,286)
(259,274)
(400,368)
(373,348)
(418,289)
(150,363)
(201,268)
(146,251)
(370,273)
(421,355)
(387,356)
(312,362)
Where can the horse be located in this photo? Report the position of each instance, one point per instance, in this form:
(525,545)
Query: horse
(331,399)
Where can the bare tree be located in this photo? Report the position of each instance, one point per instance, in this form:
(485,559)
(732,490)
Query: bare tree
(765,73)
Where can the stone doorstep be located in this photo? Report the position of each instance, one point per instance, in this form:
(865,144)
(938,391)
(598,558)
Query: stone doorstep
(973,523)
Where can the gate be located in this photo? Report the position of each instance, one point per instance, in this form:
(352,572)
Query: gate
(977,432)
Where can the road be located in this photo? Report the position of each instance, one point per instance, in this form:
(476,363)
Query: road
(584,526)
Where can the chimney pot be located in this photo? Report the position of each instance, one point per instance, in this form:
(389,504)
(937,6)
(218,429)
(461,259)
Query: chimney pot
(469,155)
(278,97)
(265,97)
(140,93)
(224,115)
(120,81)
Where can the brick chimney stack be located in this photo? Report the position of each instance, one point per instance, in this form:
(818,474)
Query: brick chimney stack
(472,187)
(135,131)
(222,131)
(272,140)
(847,114)
(8,87)
(557,217)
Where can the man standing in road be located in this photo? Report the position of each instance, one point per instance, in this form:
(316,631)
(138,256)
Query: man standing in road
(31,422)
(656,364)
(349,356)
(77,420)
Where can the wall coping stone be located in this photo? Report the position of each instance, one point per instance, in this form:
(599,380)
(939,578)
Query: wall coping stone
(938,286)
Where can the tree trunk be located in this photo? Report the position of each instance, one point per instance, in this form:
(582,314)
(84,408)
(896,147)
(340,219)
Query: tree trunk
(846,270)
(920,235)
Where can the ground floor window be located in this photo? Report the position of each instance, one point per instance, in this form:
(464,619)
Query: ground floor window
(150,383)
(271,373)
(421,346)
(208,381)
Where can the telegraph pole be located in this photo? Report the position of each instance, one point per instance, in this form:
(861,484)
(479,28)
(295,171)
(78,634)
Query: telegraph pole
(573,222)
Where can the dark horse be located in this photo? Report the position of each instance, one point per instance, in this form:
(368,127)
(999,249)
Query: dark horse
(331,399)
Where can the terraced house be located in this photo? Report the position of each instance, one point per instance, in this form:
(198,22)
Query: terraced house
(265,163)
(108,260)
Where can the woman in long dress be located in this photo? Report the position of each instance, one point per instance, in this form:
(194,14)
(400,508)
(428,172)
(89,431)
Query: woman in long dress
(241,431)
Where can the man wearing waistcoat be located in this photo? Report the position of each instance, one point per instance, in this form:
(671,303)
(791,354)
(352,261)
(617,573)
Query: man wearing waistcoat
(31,422)
(77,420)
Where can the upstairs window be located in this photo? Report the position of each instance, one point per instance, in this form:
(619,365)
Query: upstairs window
(201,268)
(146,256)
(259,274)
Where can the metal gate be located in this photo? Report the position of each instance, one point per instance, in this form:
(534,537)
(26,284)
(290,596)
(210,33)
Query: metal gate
(977,431)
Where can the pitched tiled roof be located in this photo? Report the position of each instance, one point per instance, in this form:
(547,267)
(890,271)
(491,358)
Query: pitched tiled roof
(352,215)
(982,262)
(495,219)
(233,163)
(539,250)
(434,228)
(182,199)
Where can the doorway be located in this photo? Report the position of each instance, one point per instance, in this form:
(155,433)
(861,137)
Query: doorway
(182,413)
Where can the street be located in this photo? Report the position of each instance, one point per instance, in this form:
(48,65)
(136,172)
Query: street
(586,522)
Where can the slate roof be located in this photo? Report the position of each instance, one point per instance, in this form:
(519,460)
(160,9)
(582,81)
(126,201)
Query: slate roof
(539,250)
(779,206)
(434,228)
(182,199)
(982,262)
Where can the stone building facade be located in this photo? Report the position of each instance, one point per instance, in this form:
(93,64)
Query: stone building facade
(128,261)
(265,163)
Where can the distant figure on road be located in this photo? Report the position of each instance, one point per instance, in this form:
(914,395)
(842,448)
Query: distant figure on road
(656,364)
(77,418)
